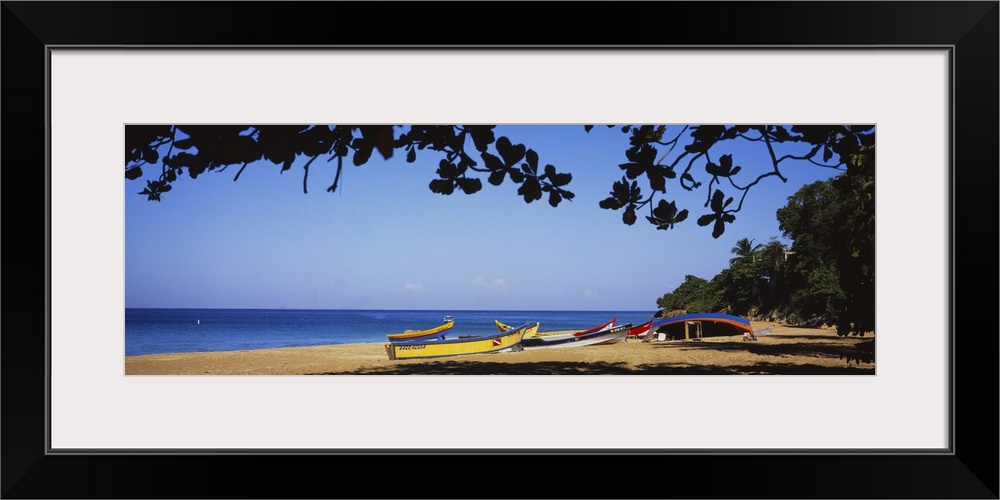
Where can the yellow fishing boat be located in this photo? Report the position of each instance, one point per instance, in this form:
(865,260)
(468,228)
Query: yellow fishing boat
(470,344)
(531,331)
(435,332)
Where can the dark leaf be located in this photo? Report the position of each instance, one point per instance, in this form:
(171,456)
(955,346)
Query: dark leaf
(447,170)
(411,155)
(635,192)
(151,155)
(665,215)
(628,216)
(706,219)
(561,179)
(610,203)
(720,227)
(503,144)
(644,155)
(362,155)
(464,163)
(586,128)
(634,170)
(549,171)
(705,136)
(492,162)
(620,189)
(814,134)
(482,136)
(516,176)
(317,140)
(178,160)
(195,170)
(726,162)
(730,133)
(496,178)
(171,175)
(184,143)
(443,186)
(287,165)
(554,198)
(724,168)
(532,158)
(134,173)
(470,184)
(656,180)
(827,154)
(380,137)
(717,201)
(643,134)
(781,134)
(531,190)
(510,153)
(665,210)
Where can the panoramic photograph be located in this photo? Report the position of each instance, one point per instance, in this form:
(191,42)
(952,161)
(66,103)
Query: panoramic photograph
(536,249)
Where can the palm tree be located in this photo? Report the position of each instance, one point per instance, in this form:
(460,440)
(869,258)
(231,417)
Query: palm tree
(743,249)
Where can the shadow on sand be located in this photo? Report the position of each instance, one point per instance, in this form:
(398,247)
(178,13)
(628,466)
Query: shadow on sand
(600,368)
(858,352)
(859,357)
(864,352)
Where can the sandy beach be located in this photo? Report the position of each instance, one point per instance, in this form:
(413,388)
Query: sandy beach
(785,351)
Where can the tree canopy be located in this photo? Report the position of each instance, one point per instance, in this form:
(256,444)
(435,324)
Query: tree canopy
(827,277)
(657,155)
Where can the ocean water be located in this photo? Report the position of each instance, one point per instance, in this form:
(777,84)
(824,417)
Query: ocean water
(154,331)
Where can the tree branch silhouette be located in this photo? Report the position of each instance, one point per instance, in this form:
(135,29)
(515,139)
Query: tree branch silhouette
(196,149)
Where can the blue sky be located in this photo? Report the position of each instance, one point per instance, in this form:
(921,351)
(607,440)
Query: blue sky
(385,241)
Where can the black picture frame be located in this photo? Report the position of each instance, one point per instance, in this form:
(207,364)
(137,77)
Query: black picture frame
(969,28)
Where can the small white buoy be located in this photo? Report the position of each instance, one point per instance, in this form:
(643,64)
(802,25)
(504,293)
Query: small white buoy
(199,322)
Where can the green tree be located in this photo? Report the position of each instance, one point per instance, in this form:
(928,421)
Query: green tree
(166,152)
(832,271)
(771,291)
(694,295)
(736,286)
(750,284)
(753,284)
(744,248)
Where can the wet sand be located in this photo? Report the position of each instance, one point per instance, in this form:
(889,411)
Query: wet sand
(785,351)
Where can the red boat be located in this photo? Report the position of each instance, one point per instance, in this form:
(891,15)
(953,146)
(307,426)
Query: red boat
(640,331)
(605,326)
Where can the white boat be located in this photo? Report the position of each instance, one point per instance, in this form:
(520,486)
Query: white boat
(608,335)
